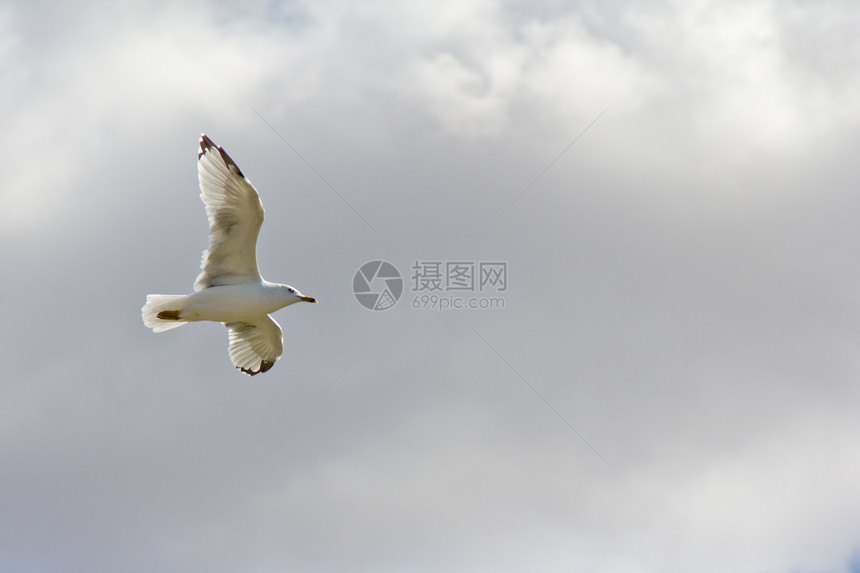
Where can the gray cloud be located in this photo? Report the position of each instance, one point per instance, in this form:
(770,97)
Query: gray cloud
(682,288)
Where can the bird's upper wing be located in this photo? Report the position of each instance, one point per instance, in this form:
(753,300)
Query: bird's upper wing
(235,215)
(255,344)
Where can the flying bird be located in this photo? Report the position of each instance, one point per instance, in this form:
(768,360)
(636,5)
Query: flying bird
(229,288)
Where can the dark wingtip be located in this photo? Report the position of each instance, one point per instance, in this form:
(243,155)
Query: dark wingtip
(206,144)
(265,366)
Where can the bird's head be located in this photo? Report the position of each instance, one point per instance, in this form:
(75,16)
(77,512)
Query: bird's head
(292,295)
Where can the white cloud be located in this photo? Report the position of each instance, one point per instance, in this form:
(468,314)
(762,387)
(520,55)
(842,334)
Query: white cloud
(680,287)
(119,72)
(534,72)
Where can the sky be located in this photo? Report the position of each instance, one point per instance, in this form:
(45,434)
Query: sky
(667,380)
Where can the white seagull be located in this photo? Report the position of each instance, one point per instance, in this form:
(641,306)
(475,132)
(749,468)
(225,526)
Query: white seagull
(229,288)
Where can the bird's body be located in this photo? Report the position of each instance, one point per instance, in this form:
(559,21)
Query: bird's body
(231,303)
(229,288)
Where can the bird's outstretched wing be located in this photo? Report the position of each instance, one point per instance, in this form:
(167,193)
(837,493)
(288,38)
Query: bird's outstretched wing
(235,215)
(255,345)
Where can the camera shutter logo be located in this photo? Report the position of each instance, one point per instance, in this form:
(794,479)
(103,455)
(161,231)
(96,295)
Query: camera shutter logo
(377,285)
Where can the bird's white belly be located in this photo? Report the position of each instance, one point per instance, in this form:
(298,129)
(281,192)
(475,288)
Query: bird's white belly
(229,303)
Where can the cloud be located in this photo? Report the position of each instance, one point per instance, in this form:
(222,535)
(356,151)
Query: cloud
(125,71)
(681,287)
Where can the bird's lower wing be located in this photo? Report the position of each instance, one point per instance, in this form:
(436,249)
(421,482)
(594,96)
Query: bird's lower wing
(255,345)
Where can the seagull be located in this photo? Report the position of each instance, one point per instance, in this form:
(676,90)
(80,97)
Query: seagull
(229,288)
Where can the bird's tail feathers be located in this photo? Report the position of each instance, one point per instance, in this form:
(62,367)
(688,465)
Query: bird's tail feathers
(161,311)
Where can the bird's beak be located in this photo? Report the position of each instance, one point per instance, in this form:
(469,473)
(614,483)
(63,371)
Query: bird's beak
(309,299)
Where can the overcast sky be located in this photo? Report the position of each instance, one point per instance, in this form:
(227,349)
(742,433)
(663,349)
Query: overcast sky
(671,386)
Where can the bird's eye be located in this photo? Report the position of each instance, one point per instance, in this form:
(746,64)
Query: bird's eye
(292,290)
